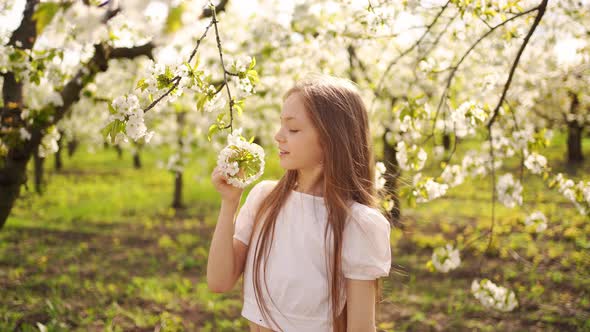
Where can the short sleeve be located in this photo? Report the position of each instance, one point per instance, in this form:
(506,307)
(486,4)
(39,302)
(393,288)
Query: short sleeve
(366,250)
(245,220)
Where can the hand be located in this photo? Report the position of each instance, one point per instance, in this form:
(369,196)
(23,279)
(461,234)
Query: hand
(228,192)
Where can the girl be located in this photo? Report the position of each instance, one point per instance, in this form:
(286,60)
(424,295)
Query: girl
(312,244)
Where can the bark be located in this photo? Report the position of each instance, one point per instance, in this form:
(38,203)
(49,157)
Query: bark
(136,160)
(58,160)
(13,166)
(177,200)
(178,175)
(447,141)
(574,134)
(72,147)
(574,143)
(38,170)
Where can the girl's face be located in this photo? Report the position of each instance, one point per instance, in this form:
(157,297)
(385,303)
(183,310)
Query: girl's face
(299,146)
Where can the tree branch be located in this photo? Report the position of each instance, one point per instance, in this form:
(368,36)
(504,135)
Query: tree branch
(207,12)
(132,52)
(541,12)
(456,66)
(401,55)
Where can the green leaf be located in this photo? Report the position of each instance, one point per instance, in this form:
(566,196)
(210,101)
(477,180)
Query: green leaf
(174,20)
(112,109)
(113,129)
(239,109)
(253,63)
(201,100)
(44,14)
(214,128)
(253,76)
(142,85)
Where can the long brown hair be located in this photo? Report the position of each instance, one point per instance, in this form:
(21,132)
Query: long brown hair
(340,117)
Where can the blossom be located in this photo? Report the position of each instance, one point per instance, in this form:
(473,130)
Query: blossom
(465,117)
(446,258)
(427,189)
(492,296)
(24,134)
(379,172)
(136,127)
(538,220)
(49,142)
(241,155)
(453,175)
(509,191)
(535,162)
(214,104)
(413,158)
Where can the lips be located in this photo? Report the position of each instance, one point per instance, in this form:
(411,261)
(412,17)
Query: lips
(283,152)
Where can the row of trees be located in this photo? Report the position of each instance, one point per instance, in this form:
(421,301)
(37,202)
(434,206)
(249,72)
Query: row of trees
(434,73)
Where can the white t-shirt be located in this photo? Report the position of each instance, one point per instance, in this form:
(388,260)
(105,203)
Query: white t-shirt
(296,269)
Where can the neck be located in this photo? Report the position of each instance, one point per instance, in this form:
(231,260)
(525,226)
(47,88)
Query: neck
(310,181)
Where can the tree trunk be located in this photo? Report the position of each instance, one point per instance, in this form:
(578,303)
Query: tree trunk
(574,143)
(38,169)
(391,176)
(72,147)
(136,160)
(447,141)
(574,134)
(177,201)
(119,152)
(58,161)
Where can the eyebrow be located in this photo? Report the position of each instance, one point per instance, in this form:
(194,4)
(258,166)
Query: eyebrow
(288,118)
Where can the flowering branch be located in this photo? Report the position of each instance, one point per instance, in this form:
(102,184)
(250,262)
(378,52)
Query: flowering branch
(176,79)
(225,72)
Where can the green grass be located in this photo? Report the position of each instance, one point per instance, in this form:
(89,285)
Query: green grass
(101,250)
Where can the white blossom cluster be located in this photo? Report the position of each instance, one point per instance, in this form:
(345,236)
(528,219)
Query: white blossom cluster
(49,142)
(14,60)
(240,155)
(413,158)
(478,164)
(127,109)
(537,220)
(76,28)
(465,118)
(453,175)
(509,191)
(426,189)
(579,193)
(535,162)
(446,258)
(493,296)
(379,172)
(240,66)
(216,103)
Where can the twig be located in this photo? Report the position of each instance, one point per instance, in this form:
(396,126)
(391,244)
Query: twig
(456,66)
(401,55)
(541,11)
(176,79)
(231,101)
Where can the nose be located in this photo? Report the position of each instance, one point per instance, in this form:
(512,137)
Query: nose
(279,136)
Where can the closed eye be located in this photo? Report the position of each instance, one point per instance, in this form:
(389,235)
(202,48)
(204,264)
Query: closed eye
(293,131)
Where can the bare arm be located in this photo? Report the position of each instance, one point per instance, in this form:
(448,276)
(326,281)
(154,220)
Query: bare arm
(227,256)
(360,304)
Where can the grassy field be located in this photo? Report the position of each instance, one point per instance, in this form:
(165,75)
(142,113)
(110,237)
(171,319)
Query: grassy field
(102,251)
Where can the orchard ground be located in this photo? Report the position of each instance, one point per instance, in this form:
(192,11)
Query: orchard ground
(102,251)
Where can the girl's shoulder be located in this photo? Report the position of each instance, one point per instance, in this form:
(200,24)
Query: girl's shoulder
(263,188)
(364,214)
